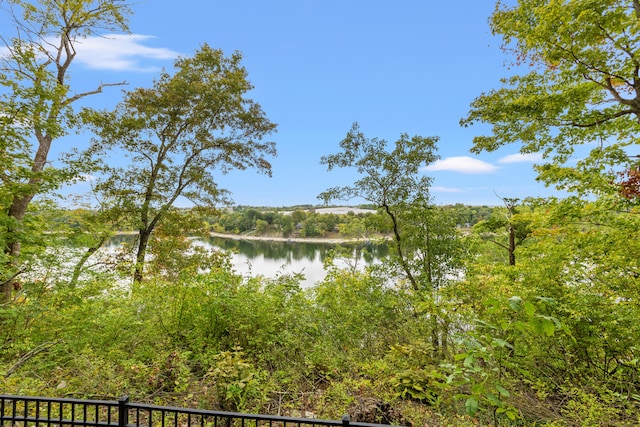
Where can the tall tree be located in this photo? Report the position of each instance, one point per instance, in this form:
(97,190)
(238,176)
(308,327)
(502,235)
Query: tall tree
(37,100)
(391,180)
(582,90)
(427,248)
(175,135)
(578,103)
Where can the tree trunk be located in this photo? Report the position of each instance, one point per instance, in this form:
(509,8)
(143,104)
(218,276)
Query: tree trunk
(18,209)
(399,242)
(6,287)
(512,245)
(143,242)
(77,270)
(435,335)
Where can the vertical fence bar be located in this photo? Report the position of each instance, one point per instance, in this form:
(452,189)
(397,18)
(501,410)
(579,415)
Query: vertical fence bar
(123,411)
(77,413)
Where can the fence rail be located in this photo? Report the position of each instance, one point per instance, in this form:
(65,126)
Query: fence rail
(31,411)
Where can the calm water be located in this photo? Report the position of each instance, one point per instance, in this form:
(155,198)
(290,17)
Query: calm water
(270,259)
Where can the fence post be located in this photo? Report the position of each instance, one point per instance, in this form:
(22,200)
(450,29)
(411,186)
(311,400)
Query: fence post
(123,411)
(346,419)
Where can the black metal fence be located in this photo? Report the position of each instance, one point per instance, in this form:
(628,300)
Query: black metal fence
(29,411)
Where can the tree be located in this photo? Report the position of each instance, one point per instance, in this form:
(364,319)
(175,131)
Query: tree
(176,134)
(583,89)
(579,98)
(355,227)
(506,218)
(428,250)
(94,228)
(286,224)
(36,103)
(390,180)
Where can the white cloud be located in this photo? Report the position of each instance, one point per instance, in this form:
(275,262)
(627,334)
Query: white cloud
(120,52)
(462,164)
(23,122)
(519,158)
(441,189)
(87,178)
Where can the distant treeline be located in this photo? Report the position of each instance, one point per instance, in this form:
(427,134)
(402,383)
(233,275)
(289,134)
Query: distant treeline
(310,221)
(299,220)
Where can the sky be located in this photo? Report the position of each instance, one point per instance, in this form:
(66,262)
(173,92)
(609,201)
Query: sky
(317,67)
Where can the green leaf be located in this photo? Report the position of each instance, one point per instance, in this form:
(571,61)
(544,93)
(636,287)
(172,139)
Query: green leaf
(529,308)
(468,361)
(547,326)
(493,399)
(471,406)
(515,302)
(460,356)
(546,300)
(503,391)
(501,343)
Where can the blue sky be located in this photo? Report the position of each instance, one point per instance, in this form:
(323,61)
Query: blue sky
(408,66)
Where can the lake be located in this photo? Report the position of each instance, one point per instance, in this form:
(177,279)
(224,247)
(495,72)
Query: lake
(273,258)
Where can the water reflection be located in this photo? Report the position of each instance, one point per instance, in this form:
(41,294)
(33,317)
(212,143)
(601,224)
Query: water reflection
(272,258)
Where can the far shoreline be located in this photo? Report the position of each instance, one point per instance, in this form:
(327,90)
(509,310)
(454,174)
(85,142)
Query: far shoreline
(327,240)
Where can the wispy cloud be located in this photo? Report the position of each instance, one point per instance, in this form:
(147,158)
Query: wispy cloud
(520,158)
(121,52)
(462,164)
(441,189)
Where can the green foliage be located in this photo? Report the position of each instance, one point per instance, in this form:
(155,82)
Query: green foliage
(36,104)
(417,377)
(391,180)
(578,100)
(488,355)
(311,227)
(235,380)
(174,135)
(389,177)
(571,327)
(506,227)
(358,316)
(299,223)
(352,343)
(444,332)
